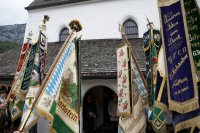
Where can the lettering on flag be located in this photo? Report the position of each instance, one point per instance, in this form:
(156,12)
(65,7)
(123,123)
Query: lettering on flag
(58,102)
(193,19)
(181,86)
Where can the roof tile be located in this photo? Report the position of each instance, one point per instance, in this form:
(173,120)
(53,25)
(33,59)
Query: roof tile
(48,3)
(97,56)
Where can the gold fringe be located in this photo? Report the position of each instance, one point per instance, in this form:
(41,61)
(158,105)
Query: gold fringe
(182,108)
(162,3)
(195,122)
(141,130)
(191,104)
(127,114)
(161,106)
(147,48)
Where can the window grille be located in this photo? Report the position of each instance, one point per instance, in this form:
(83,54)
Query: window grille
(131,29)
(64,34)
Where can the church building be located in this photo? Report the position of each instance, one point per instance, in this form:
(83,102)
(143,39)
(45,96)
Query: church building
(100,39)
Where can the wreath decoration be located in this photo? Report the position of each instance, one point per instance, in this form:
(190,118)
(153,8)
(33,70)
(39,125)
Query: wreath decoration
(75,25)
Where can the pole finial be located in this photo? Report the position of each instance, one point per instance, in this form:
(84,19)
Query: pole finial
(149,24)
(43,26)
(46,18)
(121,29)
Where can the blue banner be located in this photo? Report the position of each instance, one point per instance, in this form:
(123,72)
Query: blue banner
(187,120)
(181,84)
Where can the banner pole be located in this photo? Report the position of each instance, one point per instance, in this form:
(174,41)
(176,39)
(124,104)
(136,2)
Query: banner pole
(43,84)
(129,45)
(75,28)
(42,27)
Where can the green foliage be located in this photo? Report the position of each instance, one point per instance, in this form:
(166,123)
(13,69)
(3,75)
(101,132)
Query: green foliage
(73,89)
(5,46)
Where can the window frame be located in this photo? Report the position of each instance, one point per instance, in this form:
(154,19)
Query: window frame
(64,33)
(131,28)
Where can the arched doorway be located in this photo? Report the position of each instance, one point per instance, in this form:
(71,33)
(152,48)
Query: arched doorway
(101,95)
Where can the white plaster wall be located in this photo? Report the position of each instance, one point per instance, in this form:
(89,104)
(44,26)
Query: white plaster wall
(99,19)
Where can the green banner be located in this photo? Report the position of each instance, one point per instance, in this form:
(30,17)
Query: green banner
(29,67)
(193,23)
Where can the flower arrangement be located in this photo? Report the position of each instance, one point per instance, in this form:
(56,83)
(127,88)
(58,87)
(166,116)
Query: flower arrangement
(75,25)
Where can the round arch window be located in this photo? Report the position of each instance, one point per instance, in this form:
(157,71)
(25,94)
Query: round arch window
(64,33)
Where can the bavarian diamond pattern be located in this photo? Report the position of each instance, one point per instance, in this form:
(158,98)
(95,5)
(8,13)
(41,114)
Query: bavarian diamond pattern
(139,82)
(55,78)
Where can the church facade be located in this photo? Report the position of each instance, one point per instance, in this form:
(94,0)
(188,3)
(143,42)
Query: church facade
(100,39)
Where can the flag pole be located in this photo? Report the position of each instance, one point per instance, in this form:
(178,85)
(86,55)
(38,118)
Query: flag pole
(42,27)
(14,81)
(149,26)
(75,28)
(78,61)
(121,29)
(15,77)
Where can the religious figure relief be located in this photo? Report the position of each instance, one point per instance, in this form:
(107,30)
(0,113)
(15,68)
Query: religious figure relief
(69,88)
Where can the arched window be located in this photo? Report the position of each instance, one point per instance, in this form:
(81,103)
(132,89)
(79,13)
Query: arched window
(131,29)
(64,34)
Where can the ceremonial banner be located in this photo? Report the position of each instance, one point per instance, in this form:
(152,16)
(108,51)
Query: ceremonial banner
(124,105)
(151,46)
(161,98)
(181,84)
(193,19)
(18,79)
(29,69)
(16,104)
(179,121)
(187,120)
(136,122)
(157,115)
(32,91)
(22,58)
(36,79)
(43,53)
(139,79)
(61,110)
(67,105)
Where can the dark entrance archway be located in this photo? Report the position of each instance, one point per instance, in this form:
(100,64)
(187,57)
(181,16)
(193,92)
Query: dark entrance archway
(101,95)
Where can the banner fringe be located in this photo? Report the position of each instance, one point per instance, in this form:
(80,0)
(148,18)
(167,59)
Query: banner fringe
(184,108)
(162,3)
(161,106)
(195,122)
